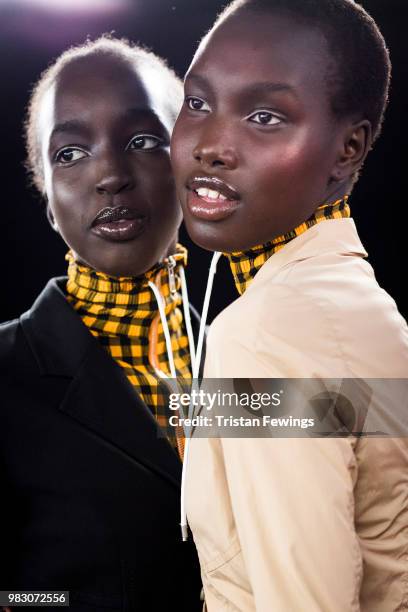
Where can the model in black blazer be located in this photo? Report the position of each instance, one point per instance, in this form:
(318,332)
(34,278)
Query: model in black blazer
(90,491)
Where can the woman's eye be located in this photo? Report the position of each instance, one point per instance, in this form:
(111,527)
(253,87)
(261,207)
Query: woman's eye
(145,142)
(196,104)
(69,154)
(264,118)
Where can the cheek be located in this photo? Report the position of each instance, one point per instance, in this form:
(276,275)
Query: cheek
(66,194)
(292,163)
(65,190)
(157,182)
(156,178)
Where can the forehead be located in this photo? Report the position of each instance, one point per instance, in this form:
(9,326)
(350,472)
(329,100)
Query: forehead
(254,47)
(99,81)
(100,90)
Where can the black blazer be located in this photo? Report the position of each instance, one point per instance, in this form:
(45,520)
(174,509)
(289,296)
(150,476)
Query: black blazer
(90,492)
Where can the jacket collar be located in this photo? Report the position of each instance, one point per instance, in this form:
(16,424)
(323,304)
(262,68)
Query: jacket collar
(332,236)
(97,392)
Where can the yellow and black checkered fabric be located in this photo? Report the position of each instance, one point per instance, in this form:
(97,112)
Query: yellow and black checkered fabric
(245,264)
(123,314)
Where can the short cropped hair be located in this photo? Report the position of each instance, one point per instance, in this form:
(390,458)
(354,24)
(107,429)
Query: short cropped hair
(104,45)
(360,82)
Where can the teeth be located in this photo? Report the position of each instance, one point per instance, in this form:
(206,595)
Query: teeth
(203,192)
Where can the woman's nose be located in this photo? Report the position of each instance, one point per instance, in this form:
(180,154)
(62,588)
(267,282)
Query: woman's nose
(114,177)
(213,153)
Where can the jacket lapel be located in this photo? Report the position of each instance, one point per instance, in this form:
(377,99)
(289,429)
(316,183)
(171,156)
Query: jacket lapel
(98,394)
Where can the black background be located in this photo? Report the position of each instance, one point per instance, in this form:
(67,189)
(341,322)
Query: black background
(30,37)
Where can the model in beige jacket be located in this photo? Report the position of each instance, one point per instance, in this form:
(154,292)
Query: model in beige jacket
(283,101)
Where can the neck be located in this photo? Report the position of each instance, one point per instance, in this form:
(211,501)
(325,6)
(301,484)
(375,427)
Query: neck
(245,264)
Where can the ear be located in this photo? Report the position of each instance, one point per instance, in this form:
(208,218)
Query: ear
(354,147)
(51,217)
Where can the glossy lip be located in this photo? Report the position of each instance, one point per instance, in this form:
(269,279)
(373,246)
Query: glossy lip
(212,182)
(110,214)
(209,209)
(118,223)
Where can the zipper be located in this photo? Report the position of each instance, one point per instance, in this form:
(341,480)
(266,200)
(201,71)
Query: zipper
(171,264)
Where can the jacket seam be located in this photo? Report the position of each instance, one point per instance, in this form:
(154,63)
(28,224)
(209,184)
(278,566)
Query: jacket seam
(224,557)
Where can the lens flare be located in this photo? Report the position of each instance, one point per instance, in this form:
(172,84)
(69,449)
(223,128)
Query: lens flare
(75,6)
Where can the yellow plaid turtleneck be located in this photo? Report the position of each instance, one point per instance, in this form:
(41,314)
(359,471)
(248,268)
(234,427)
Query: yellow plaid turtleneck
(245,264)
(123,314)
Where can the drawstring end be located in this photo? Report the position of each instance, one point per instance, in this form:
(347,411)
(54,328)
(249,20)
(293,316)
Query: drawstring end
(184,532)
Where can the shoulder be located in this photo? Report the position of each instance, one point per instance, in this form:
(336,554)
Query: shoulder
(16,354)
(10,337)
(357,312)
(16,357)
(325,316)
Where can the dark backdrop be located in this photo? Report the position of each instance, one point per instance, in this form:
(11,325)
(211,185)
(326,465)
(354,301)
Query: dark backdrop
(31,36)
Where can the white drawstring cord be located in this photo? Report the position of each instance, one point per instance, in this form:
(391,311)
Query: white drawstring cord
(204,314)
(170,357)
(196,371)
(187,318)
(163,318)
(195,358)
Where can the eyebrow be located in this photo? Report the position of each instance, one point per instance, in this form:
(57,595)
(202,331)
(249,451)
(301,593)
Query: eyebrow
(252,89)
(145,112)
(80,127)
(141,110)
(71,125)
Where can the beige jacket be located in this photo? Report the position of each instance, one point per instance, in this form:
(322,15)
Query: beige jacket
(305,525)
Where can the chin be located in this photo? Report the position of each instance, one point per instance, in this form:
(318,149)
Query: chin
(122,266)
(136,257)
(211,236)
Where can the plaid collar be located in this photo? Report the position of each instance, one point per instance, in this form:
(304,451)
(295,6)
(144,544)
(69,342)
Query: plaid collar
(99,288)
(245,264)
(122,313)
